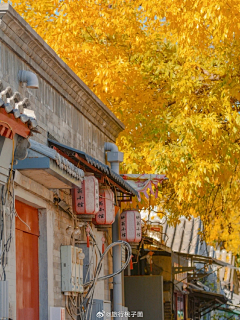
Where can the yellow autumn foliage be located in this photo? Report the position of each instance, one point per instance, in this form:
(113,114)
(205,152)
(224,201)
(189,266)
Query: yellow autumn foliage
(170,71)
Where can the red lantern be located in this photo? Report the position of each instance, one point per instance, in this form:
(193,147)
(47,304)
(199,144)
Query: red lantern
(106,214)
(86,198)
(130,226)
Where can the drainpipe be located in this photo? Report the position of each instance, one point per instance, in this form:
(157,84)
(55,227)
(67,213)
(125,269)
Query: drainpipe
(115,157)
(29,78)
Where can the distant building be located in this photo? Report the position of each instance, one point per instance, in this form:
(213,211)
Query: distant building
(198,282)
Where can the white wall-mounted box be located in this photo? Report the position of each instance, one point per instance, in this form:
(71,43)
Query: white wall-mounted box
(72,269)
(57,313)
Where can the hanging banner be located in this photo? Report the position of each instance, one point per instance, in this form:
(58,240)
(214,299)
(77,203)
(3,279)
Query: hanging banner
(143,182)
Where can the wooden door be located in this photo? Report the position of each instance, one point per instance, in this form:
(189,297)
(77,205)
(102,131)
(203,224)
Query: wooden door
(27,278)
(180,306)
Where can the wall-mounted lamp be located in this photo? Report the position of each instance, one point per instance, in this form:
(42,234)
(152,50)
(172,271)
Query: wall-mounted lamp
(69,230)
(77,231)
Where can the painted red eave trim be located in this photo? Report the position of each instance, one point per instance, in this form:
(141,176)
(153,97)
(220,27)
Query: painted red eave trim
(96,170)
(91,167)
(76,163)
(8,121)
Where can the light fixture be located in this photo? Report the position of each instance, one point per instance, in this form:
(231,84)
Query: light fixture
(81,255)
(69,230)
(77,231)
(80,224)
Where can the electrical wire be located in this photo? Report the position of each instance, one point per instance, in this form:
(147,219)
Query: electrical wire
(7,198)
(10,174)
(67,307)
(97,278)
(119,242)
(83,307)
(6,222)
(16,214)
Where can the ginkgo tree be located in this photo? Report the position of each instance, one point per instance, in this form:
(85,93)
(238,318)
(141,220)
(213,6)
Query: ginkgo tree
(170,71)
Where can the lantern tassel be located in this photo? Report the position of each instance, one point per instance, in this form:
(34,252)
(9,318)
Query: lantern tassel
(131,263)
(103,240)
(87,232)
(88,244)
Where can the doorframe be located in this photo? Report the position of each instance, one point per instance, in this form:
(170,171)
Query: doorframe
(44,256)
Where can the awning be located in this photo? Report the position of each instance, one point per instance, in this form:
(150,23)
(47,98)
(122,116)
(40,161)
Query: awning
(208,295)
(90,164)
(47,167)
(209,301)
(155,245)
(203,259)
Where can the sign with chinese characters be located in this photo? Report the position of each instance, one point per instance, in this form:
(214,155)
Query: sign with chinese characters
(130,226)
(106,214)
(86,198)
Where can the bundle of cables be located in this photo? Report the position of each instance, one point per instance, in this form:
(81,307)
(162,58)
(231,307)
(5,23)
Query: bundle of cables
(7,216)
(80,305)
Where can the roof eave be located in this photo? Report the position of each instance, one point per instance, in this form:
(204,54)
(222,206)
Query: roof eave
(95,165)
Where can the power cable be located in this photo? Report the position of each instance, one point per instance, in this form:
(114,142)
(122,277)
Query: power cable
(79,306)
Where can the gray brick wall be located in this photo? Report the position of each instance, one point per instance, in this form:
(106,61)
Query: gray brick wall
(54,113)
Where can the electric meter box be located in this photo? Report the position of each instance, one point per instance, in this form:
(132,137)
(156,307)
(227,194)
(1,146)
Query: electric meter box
(72,269)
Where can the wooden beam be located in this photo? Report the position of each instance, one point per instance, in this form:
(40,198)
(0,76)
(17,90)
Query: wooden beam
(87,164)
(16,125)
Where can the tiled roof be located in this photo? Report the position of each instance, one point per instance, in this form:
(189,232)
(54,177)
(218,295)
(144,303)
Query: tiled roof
(185,237)
(71,152)
(13,103)
(62,162)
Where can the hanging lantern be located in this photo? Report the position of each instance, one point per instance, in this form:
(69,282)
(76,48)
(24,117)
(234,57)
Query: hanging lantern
(86,198)
(130,226)
(106,214)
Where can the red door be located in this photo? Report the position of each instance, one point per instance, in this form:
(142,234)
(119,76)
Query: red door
(180,306)
(27,262)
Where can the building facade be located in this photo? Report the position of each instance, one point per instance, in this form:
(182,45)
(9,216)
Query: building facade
(69,114)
